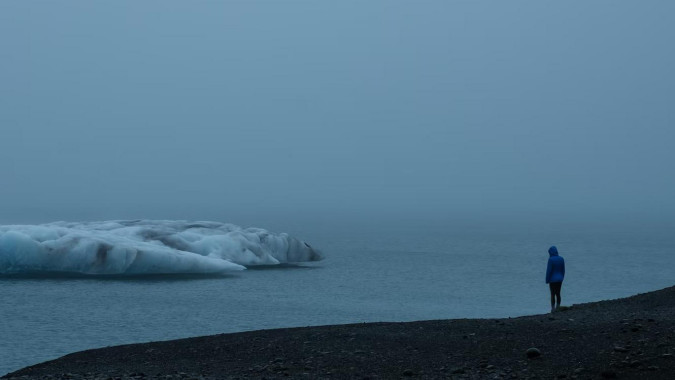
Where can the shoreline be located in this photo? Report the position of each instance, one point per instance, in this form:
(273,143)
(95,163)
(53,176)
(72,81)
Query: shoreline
(626,338)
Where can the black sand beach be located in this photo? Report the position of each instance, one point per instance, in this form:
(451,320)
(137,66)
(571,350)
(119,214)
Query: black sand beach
(630,338)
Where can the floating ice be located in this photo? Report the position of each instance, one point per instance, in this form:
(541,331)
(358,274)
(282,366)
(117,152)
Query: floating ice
(144,247)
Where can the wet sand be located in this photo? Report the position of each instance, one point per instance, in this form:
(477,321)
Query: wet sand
(629,338)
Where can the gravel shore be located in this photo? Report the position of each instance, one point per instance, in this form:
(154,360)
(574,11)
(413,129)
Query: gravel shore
(629,338)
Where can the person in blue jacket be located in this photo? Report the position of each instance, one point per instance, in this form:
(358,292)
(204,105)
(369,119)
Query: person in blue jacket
(555,273)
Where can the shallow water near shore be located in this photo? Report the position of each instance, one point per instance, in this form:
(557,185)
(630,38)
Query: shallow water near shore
(392,271)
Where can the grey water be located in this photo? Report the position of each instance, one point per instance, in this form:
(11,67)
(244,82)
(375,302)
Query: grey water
(386,271)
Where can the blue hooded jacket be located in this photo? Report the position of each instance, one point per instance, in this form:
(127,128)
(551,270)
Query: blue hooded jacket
(555,272)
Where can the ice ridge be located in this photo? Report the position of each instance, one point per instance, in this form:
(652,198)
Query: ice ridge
(137,247)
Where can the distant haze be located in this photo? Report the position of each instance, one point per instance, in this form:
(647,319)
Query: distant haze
(260,109)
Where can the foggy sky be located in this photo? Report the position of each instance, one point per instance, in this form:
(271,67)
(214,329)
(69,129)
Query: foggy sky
(246,109)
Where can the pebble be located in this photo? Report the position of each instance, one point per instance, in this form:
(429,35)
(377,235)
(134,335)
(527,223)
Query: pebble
(408,372)
(533,352)
(608,374)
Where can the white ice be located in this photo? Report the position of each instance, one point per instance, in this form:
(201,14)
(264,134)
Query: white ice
(144,247)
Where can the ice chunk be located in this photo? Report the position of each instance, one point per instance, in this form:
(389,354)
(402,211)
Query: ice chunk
(144,247)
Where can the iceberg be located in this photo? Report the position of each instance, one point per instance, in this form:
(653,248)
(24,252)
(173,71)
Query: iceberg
(139,247)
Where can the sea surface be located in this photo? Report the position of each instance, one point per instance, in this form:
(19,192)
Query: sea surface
(396,270)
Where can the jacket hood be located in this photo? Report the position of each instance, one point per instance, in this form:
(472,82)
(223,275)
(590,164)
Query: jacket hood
(553,251)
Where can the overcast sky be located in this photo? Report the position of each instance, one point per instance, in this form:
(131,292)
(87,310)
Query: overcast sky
(216,110)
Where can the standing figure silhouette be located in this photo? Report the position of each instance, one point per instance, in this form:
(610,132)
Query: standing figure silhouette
(555,274)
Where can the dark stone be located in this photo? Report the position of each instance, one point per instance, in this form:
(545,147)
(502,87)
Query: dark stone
(408,372)
(533,352)
(620,349)
(608,374)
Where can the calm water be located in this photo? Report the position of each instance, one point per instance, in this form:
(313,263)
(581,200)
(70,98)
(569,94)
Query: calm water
(373,272)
